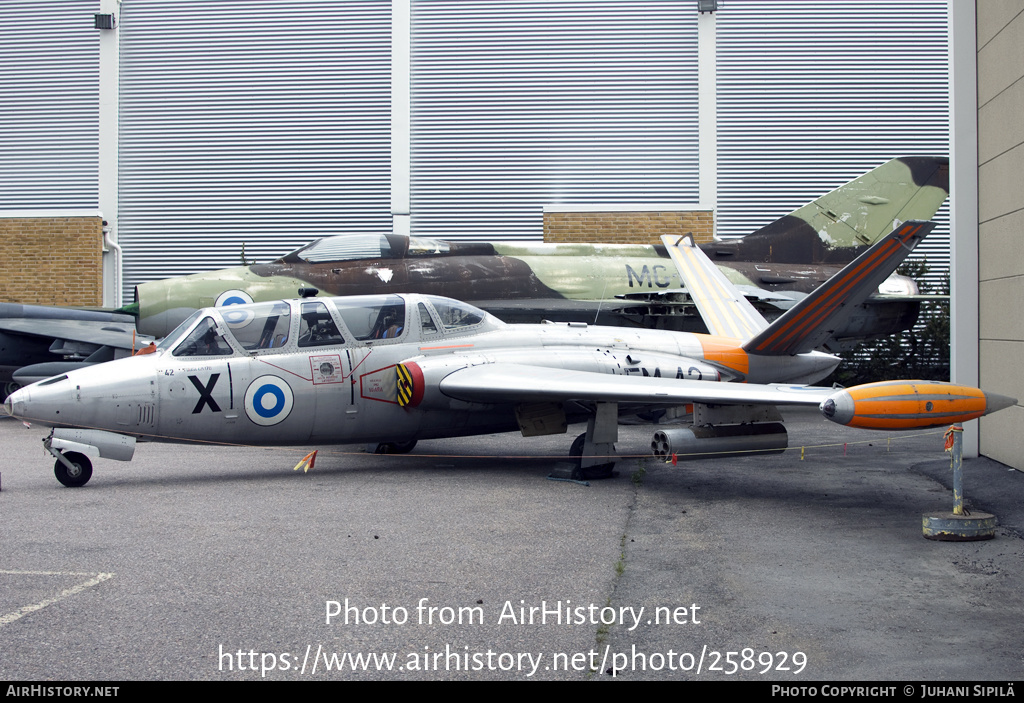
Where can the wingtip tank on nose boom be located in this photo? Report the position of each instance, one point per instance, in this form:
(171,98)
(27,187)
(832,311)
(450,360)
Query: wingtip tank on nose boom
(908,405)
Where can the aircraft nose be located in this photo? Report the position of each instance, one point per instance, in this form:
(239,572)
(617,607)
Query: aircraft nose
(41,402)
(15,403)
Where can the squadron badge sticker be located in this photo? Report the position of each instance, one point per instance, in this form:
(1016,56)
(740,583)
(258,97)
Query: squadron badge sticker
(326,368)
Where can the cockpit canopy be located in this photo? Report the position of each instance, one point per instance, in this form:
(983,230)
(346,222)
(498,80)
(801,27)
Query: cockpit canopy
(355,247)
(295,325)
(362,247)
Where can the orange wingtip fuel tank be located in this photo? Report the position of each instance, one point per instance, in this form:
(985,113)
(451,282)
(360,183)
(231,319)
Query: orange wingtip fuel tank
(909,405)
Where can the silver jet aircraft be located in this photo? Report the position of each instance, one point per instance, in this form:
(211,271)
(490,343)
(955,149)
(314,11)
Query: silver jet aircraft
(398,368)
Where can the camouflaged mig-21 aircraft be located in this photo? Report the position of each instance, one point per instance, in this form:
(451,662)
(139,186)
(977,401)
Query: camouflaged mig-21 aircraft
(609,284)
(397,368)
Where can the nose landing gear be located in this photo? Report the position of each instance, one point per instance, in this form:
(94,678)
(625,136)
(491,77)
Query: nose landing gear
(72,469)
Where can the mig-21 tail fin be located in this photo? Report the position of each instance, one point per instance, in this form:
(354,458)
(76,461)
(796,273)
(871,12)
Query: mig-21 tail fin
(835,227)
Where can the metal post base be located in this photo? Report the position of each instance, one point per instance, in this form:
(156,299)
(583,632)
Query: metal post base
(949,527)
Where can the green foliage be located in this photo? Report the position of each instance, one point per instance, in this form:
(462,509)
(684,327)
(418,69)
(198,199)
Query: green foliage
(638,476)
(921,352)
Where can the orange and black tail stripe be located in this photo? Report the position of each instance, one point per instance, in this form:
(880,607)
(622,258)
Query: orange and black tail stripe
(789,331)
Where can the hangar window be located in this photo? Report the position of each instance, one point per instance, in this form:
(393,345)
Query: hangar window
(204,340)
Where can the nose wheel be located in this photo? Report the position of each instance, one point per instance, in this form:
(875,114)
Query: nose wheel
(395,447)
(73,469)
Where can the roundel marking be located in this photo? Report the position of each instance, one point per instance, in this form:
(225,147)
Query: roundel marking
(410,384)
(234,318)
(232,297)
(268,400)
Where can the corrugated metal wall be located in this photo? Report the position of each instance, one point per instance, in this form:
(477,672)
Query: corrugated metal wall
(263,124)
(521,104)
(811,95)
(49,105)
(268,123)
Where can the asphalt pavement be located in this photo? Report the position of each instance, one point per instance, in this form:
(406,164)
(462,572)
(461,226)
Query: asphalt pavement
(462,561)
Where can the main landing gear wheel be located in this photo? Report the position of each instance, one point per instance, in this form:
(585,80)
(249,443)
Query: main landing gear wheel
(395,447)
(590,473)
(73,478)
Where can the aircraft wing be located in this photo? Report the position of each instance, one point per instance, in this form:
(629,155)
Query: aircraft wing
(523,383)
(89,332)
(33,337)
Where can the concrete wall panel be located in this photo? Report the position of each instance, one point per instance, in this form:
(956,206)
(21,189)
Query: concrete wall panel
(1000,59)
(1001,246)
(1000,70)
(999,180)
(1000,315)
(995,15)
(1001,438)
(999,121)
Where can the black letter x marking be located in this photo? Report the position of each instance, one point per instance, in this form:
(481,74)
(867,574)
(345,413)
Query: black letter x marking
(205,394)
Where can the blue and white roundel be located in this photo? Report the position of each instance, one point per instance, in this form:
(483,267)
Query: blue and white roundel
(234,318)
(232,297)
(268,400)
